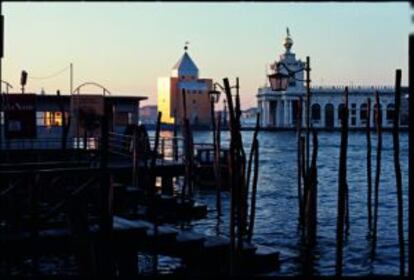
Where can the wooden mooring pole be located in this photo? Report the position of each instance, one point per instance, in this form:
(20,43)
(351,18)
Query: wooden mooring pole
(153,191)
(249,165)
(342,187)
(303,176)
(254,190)
(411,159)
(369,176)
(232,173)
(217,165)
(312,195)
(378,122)
(299,160)
(396,142)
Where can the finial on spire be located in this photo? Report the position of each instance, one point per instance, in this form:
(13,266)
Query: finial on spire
(186,46)
(288,41)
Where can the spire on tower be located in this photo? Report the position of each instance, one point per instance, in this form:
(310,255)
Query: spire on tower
(186,46)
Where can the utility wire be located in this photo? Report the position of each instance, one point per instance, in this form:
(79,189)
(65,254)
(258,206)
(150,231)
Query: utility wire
(50,76)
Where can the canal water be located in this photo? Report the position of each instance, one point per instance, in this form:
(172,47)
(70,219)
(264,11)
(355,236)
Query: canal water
(276,223)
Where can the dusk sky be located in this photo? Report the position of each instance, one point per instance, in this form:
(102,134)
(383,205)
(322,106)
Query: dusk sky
(127,46)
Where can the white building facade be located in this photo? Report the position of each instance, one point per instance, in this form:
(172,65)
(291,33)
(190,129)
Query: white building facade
(279,109)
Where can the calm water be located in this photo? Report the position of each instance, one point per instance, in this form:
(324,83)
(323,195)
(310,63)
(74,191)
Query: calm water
(276,222)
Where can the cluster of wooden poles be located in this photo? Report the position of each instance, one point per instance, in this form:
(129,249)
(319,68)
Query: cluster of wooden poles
(241,224)
(343,208)
(307,180)
(240,229)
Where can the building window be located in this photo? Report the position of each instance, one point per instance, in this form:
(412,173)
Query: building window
(353,109)
(316,112)
(390,112)
(363,112)
(353,121)
(194,102)
(49,118)
(40,118)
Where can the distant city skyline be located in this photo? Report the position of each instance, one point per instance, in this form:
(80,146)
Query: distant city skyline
(127,46)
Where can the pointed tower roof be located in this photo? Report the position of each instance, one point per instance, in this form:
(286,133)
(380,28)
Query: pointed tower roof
(185,66)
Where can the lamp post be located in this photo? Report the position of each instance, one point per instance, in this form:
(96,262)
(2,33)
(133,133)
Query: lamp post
(237,87)
(280,82)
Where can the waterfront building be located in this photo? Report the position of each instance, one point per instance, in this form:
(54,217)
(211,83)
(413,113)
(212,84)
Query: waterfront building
(185,76)
(248,117)
(278,109)
(37,120)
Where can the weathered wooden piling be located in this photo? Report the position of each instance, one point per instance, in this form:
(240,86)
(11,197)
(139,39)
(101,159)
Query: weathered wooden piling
(249,165)
(217,165)
(299,164)
(378,124)
(188,150)
(153,194)
(312,195)
(237,163)
(398,180)
(175,142)
(303,176)
(342,187)
(254,190)
(411,159)
(105,251)
(369,176)
(232,173)
(65,120)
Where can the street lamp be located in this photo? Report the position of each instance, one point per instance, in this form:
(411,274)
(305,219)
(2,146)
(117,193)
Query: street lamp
(236,86)
(214,94)
(279,82)
(23,80)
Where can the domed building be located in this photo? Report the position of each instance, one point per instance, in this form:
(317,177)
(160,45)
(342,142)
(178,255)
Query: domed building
(279,109)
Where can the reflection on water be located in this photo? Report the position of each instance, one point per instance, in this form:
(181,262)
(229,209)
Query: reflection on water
(277,208)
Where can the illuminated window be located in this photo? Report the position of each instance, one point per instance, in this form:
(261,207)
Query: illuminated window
(50,118)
